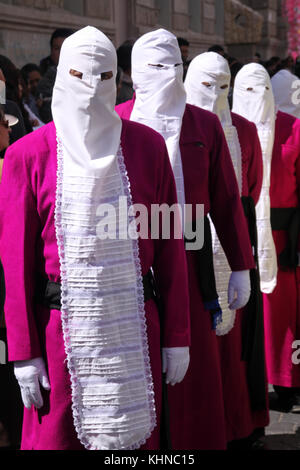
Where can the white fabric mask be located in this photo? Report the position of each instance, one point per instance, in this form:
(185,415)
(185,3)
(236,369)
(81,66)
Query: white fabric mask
(207,86)
(103,314)
(253,99)
(285,92)
(252,95)
(157,75)
(83,108)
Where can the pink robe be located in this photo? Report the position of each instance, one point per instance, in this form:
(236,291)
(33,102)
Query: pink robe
(196,405)
(282,307)
(241,421)
(28,248)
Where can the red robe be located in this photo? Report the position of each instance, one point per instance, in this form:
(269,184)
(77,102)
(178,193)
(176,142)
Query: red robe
(28,248)
(282,307)
(196,405)
(240,419)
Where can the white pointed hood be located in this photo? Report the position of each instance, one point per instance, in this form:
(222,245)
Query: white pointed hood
(207,84)
(252,95)
(157,74)
(285,85)
(102,311)
(253,99)
(79,103)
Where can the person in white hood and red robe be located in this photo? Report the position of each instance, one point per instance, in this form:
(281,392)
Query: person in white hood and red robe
(82,323)
(240,334)
(279,135)
(204,175)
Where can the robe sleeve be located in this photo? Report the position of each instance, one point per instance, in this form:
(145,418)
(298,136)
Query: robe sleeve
(19,226)
(170,269)
(226,208)
(255,167)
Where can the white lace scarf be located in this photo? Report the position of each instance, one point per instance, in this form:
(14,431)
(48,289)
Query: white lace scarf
(267,258)
(221,265)
(103,315)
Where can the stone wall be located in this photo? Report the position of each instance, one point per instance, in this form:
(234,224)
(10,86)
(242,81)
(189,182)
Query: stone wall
(26,25)
(243,30)
(274,32)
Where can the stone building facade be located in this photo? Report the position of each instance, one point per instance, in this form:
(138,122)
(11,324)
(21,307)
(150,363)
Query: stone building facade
(243,26)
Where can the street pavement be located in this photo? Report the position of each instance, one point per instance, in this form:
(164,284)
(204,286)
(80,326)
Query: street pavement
(283,433)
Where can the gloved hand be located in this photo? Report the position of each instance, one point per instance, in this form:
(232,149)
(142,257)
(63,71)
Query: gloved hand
(239,289)
(175,363)
(30,374)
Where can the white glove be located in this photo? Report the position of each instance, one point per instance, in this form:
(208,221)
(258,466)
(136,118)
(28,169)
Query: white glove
(239,289)
(175,363)
(30,374)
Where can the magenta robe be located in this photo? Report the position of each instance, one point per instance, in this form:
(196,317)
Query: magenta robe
(240,419)
(28,247)
(196,405)
(282,307)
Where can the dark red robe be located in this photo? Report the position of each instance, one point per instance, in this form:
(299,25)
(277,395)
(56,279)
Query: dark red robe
(28,248)
(196,405)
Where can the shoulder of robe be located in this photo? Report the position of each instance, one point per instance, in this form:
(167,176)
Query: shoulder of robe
(287,129)
(124,109)
(134,133)
(199,125)
(242,124)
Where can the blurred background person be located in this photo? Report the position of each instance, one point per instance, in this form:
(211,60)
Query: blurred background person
(56,41)
(297,66)
(273,65)
(10,107)
(13,82)
(125,91)
(257,58)
(218,49)
(48,68)
(24,97)
(32,76)
(184,46)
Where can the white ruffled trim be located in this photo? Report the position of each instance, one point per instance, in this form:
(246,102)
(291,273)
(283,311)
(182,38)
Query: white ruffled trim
(94,417)
(267,257)
(221,266)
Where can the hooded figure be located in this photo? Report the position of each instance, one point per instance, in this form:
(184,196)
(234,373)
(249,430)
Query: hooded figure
(161,107)
(253,99)
(204,176)
(207,86)
(244,380)
(86,312)
(286,92)
(280,140)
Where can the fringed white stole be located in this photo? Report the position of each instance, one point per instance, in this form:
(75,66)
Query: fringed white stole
(103,314)
(267,257)
(222,268)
